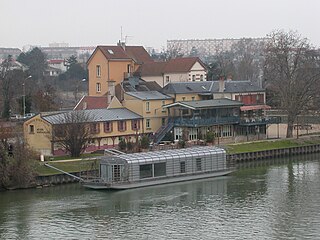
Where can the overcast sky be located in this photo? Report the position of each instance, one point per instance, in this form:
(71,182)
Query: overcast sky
(151,23)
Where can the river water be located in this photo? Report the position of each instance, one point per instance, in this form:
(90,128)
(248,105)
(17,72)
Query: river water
(277,199)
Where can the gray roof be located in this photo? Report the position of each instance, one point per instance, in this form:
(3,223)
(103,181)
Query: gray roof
(96,115)
(149,95)
(211,87)
(214,103)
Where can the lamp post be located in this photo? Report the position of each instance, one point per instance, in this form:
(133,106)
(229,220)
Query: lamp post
(24,95)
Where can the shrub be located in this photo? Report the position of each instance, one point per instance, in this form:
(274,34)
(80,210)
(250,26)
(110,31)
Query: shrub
(145,142)
(210,137)
(182,143)
(122,145)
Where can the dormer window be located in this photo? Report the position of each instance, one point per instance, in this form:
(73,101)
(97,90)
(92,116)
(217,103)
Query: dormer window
(110,51)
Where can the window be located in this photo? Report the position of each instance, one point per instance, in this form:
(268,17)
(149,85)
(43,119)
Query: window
(122,126)
(193,78)
(135,125)
(98,87)
(167,79)
(107,126)
(145,171)
(182,167)
(201,77)
(159,169)
(192,98)
(116,172)
(94,128)
(98,70)
(148,106)
(198,164)
(110,51)
(163,121)
(148,123)
(183,98)
(163,103)
(31,129)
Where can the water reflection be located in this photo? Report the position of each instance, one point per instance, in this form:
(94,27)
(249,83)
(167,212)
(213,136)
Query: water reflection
(275,199)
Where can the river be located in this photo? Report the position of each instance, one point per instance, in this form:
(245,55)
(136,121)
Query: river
(276,199)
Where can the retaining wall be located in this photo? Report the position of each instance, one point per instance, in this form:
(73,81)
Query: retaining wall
(232,160)
(283,152)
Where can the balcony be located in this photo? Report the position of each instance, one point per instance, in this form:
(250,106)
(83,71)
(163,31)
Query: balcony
(259,121)
(203,122)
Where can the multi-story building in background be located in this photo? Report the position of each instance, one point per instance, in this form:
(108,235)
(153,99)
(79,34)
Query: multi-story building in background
(208,47)
(63,51)
(5,52)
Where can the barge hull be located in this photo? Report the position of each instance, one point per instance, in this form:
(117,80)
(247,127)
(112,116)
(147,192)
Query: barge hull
(123,186)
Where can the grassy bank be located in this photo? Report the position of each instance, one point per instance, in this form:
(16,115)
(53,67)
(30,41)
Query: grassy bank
(67,166)
(269,144)
(76,165)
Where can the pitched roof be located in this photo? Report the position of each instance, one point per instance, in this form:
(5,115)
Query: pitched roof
(152,69)
(175,65)
(96,115)
(92,102)
(113,52)
(140,85)
(182,64)
(149,95)
(211,87)
(136,53)
(214,103)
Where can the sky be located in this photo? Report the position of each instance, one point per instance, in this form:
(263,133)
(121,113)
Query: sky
(150,23)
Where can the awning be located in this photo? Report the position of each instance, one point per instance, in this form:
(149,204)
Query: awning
(255,107)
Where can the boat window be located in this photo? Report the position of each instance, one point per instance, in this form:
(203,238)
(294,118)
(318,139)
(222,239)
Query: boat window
(116,173)
(159,169)
(146,171)
(182,167)
(198,164)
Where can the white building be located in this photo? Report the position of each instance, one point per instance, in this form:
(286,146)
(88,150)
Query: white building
(175,70)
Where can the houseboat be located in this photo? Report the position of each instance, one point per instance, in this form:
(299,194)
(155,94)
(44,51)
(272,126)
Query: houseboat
(125,171)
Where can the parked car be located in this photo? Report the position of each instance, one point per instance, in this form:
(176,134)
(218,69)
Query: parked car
(29,115)
(15,117)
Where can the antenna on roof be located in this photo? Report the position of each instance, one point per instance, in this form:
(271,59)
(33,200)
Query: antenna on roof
(121,38)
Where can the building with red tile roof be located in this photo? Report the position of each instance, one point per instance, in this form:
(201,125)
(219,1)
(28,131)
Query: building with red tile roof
(110,65)
(175,70)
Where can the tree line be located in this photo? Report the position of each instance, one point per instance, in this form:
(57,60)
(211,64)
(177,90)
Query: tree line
(28,86)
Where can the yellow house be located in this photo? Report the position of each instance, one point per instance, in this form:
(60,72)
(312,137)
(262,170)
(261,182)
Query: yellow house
(109,65)
(148,104)
(107,126)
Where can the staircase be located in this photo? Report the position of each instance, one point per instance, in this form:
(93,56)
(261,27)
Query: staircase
(162,132)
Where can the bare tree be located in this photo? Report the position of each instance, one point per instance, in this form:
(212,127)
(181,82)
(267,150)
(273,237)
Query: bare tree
(74,131)
(172,51)
(292,72)
(17,167)
(248,58)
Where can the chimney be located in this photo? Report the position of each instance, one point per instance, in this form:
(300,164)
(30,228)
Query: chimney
(108,97)
(221,84)
(111,87)
(122,44)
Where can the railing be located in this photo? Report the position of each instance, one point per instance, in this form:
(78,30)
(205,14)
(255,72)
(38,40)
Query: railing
(197,122)
(259,120)
(162,131)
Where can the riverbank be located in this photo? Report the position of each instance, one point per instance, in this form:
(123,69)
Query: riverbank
(89,164)
(237,153)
